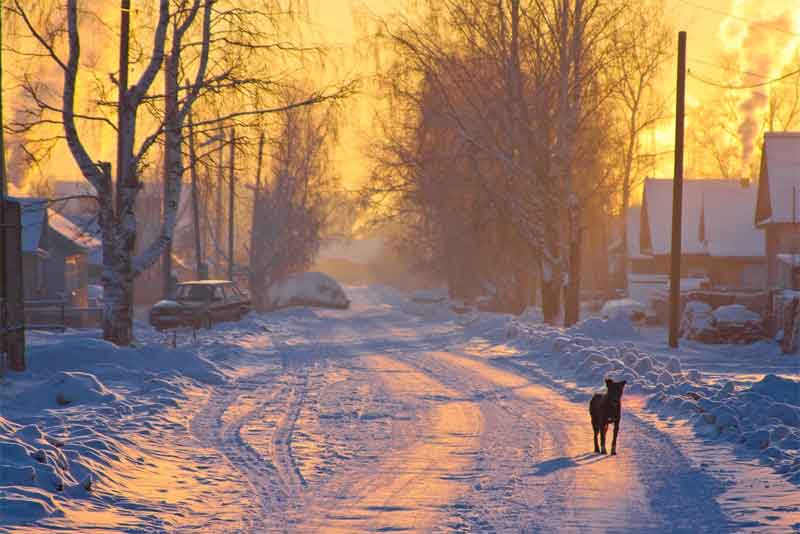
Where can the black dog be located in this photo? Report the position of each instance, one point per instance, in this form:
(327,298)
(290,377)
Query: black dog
(604,409)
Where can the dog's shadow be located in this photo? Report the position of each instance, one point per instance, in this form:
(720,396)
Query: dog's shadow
(549,467)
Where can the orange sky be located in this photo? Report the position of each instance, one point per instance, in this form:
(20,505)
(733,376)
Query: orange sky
(702,19)
(333,23)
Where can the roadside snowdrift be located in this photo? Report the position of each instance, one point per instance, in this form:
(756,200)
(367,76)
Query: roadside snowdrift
(65,422)
(763,419)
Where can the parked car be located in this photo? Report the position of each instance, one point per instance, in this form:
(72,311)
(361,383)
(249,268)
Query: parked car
(201,304)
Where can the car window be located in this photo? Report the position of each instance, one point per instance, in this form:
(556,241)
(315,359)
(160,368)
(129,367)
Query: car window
(230,294)
(218,294)
(194,292)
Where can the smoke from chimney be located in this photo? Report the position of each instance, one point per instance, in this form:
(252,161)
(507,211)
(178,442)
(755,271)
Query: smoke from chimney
(760,49)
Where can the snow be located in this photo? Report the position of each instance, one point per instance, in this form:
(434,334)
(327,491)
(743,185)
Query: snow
(719,410)
(718,204)
(307,289)
(782,167)
(374,418)
(628,308)
(735,314)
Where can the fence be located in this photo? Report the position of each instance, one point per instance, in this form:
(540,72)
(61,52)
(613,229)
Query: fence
(59,315)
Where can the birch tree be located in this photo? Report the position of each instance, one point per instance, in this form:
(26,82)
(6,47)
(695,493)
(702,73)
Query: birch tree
(182,34)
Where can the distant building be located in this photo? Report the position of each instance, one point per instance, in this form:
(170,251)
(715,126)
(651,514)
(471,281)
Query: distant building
(54,254)
(778,208)
(720,246)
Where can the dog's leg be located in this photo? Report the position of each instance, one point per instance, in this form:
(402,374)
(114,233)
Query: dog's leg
(614,439)
(603,429)
(596,429)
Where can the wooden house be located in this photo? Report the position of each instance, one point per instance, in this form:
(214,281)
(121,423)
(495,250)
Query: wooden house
(54,256)
(720,247)
(778,208)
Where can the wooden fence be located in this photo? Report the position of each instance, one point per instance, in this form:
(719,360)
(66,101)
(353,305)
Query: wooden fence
(59,315)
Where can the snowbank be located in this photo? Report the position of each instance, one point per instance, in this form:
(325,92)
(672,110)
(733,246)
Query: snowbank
(763,419)
(735,314)
(65,420)
(623,308)
(307,289)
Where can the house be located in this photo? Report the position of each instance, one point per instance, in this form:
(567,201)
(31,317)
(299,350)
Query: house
(720,247)
(54,261)
(778,207)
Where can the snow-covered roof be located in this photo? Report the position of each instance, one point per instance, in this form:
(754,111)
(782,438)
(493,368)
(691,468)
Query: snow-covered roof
(33,211)
(779,181)
(71,231)
(716,218)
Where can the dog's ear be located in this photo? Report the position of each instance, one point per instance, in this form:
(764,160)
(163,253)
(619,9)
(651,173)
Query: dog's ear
(609,382)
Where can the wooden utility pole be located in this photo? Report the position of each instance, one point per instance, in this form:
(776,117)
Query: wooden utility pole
(255,255)
(677,199)
(201,270)
(231,193)
(220,207)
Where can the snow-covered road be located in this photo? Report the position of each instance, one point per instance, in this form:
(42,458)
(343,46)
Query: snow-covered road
(376,420)
(380,421)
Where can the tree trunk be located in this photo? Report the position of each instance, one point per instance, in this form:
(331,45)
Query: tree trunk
(172,163)
(573,284)
(257,278)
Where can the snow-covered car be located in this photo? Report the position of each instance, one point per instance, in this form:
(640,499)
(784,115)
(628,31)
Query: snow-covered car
(307,289)
(201,304)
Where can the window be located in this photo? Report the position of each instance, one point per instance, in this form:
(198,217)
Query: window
(197,293)
(218,293)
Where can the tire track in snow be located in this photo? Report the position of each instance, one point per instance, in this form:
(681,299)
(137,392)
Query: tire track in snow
(285,463)
(267,485)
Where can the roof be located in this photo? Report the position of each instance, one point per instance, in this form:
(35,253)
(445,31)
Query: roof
(33,212)
(716,218)
(779,180)
(69,230)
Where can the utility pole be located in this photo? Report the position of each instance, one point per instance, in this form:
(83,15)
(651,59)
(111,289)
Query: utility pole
(231,192)
(220,177)
(201,268)
(677,198)
(255,255)
(3,192)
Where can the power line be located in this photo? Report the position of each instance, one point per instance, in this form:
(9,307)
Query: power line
(740,18)
(744,87)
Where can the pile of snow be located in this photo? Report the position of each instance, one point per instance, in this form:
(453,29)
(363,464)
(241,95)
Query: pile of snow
(34,467)
(77,351)
(733,323)
(764,419)
(735,314)
(307,289)
(619,326)
(65,389)
(698,321)
(630,309)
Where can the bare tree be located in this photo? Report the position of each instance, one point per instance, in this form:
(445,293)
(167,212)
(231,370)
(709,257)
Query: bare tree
(188,28)
(293,206)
